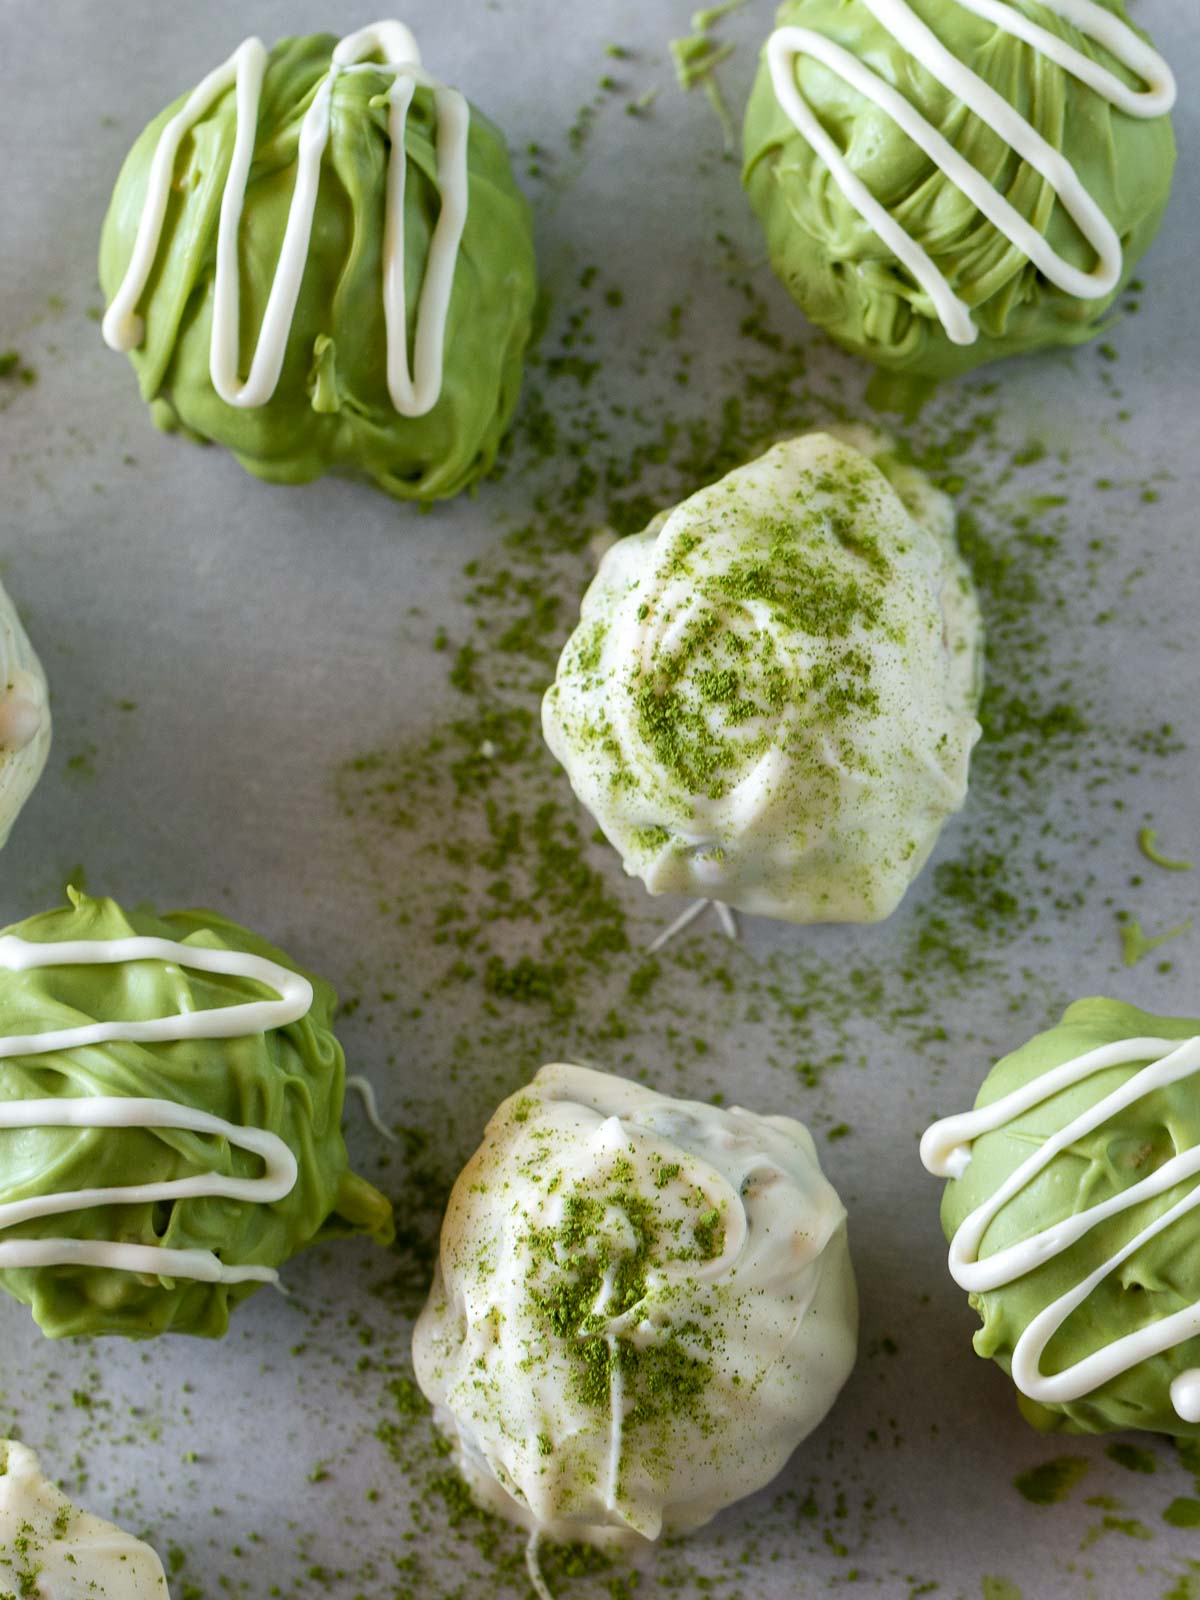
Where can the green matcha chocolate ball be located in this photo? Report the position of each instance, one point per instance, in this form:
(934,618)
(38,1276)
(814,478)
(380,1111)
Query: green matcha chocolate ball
(939,188)
(170,1103)
(1074,1219)
(336,277)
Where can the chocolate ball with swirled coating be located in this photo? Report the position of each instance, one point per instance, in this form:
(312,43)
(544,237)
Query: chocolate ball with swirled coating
(339,277)
(170,1120)
(1073,1213)
(642,1306)
(769,700)
(1046,94)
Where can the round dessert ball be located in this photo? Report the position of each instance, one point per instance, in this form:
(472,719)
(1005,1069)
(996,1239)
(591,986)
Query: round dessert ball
(320,259)
(1073,1213)
(770,698)
(170,1104)
(942,184)
(51,1550)
(24,717)
(642,1305)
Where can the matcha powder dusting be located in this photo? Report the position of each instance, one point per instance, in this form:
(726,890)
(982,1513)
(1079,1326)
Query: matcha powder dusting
(642,1305)
(770,700)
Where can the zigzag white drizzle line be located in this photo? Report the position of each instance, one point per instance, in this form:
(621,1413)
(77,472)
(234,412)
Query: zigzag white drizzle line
(412,394)
(1092,20)
(222,1022)
(104,1111)
(945,1151)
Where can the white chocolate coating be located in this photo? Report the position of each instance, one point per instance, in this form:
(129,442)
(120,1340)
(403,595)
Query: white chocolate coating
(823,734)
(946,1152)
(764,1317)
(65,1553)
(1093,21)
(102,1111)
(24,716)
(412,393)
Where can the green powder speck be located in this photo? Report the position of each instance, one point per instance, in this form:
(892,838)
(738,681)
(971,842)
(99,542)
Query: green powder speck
(1052,1482)
(999,1589)
(1132,1457)
(1183,1512)
(1137,945)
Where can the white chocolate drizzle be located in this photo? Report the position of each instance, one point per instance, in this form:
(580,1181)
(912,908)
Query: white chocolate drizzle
(1092,20)
(114,1111)
(946,1152)
(726,918)
(413,393)
(365,1090)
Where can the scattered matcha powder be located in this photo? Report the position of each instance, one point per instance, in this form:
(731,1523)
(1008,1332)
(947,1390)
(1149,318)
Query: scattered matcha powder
(1053,1481)
(518,940)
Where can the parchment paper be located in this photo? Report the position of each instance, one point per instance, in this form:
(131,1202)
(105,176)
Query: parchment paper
(220,649)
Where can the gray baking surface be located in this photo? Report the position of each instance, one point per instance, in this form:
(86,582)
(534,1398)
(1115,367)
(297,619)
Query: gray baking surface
(222,651)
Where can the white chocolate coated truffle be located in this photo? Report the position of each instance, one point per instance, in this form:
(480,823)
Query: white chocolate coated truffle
(24,717)
(770,697)
(642,1306)
(65,1553)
